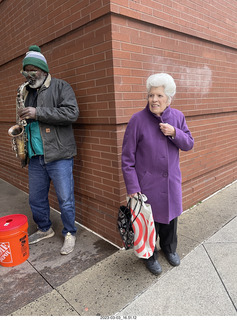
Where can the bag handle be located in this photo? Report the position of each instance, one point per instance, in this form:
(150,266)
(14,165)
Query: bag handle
(139,199)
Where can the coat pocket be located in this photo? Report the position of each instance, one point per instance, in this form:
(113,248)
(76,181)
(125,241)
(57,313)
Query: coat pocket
(146,179)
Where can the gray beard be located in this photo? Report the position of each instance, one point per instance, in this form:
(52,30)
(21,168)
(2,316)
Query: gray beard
(37,83)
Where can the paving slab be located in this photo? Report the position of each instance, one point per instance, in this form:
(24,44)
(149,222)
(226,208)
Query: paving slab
(224,258)
(226,234)
(56,268)
(203,285)
(202,221)
(20,285)
(51,304)
(109,285)
(192,289)
(45,268)
(222,250)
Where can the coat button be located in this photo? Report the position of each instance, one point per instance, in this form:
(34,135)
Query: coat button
(165,174)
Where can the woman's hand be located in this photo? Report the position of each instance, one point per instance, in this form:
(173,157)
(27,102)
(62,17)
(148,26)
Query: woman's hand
(133,194)
(167,129)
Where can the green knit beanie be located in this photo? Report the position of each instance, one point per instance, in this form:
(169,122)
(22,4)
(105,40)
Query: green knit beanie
(35,58)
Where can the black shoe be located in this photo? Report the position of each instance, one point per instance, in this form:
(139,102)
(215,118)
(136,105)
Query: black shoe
(153,265)
(173,259)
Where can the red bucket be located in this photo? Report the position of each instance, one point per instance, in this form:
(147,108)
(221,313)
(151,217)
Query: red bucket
(14,244)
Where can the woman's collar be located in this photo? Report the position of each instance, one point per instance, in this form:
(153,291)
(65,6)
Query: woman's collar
(163,115)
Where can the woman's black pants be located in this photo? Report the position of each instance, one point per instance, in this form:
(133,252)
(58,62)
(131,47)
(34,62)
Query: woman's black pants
(167,236)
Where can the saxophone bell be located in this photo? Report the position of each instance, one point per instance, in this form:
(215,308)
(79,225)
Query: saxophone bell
(18,135)
(15,131)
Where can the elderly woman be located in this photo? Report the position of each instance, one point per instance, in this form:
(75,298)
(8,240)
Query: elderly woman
(150,162)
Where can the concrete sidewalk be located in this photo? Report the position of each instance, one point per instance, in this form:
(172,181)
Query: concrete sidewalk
(205,284)
(97,279)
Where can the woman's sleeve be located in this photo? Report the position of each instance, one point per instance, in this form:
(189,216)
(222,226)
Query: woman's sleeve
(183,138)
(129,147)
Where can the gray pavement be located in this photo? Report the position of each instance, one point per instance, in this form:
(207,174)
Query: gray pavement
(99,280)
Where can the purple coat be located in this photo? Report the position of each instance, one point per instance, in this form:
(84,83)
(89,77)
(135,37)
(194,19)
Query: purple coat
(150,160)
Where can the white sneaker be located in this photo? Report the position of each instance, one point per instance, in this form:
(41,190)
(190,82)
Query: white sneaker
(40,235)
(69,244)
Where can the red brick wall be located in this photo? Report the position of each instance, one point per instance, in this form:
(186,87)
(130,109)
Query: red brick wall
(205,75)
(106,50)
(213,20)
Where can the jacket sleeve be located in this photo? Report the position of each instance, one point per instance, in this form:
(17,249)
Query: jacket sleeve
(130,141)
(183,138)
(59,105)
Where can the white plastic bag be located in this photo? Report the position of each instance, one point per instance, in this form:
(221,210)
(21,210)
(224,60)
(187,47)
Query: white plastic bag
(143,227)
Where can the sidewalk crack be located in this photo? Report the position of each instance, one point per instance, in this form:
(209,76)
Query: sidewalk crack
(220,277)
(53,288)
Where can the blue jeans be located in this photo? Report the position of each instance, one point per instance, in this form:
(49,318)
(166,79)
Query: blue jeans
(40,176)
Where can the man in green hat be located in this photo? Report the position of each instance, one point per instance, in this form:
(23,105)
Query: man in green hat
(50,109)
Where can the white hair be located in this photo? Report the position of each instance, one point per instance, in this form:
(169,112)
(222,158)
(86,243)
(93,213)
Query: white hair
(162,80)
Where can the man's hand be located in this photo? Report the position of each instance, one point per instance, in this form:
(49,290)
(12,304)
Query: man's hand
(167,129)
(27,113)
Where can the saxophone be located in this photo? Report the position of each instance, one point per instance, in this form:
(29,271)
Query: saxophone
(17,132)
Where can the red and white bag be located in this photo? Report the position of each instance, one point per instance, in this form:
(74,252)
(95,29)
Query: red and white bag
(143,226)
